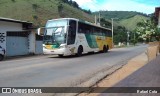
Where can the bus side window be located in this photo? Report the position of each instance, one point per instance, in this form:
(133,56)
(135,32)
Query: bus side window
(94,31)
(100,32)
(105,33)
(79,28)
(80,31)
(110,34)
(71,32)
(87,29)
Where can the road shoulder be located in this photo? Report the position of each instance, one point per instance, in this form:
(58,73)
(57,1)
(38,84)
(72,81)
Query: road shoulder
(133,65)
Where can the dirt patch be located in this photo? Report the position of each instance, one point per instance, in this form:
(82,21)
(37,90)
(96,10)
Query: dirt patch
(133,65)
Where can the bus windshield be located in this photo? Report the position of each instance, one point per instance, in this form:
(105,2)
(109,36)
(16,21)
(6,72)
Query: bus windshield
(55,32)
(55,35)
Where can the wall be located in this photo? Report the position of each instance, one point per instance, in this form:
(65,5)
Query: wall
(39,44)
(32,42)
(35,46)
(39,48)
(8,26)
(153,50)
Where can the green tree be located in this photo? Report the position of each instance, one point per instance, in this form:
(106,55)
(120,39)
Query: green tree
(61,10)
(60,7)
(120,35)
(34,6)
(35,17)
(147,31)
(13,0)
(105,23)
(65,1)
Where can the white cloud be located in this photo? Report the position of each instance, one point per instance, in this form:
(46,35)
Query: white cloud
(83,2)
(87,4)
(116,5)
(128,5)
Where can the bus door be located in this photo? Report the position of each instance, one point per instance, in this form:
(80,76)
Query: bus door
(72,35)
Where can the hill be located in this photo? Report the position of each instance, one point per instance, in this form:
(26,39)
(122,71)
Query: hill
(39,11)
(128,19)
(131,23)
(119,14)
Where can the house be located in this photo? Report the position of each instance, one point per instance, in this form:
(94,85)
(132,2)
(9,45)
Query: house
(19,38)
(157,14)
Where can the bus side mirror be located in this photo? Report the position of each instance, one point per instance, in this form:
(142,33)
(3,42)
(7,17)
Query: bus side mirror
(40,31)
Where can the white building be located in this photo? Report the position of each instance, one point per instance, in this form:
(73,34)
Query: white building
(17,38)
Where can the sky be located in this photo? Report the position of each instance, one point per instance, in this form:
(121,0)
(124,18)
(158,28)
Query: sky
(144,6)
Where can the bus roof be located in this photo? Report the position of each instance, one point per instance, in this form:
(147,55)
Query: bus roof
(86,22)
(64,19)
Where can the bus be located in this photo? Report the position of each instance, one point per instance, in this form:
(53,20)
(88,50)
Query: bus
(70,36)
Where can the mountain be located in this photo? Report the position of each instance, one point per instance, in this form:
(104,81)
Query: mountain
(131,23)
(119,14)
(128,19)
(39,11)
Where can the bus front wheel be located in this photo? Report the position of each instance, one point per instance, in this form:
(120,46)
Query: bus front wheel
(60,55)
(1,57)
(80,50)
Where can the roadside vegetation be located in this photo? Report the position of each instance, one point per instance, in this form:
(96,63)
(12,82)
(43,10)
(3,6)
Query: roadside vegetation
(147,30)
(126,22)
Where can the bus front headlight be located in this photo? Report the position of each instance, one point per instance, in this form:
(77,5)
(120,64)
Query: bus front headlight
(63,46)
(44,47)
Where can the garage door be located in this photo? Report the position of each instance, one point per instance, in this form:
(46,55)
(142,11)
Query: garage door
(17,43)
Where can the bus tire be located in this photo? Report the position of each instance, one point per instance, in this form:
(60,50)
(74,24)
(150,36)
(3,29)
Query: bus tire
(1,57)
(105,49)
(60,55)
(80,50)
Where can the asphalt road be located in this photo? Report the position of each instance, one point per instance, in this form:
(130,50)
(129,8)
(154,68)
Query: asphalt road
(52,71)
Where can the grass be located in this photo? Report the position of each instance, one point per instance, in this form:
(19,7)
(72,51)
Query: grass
(45,10)
(131,23)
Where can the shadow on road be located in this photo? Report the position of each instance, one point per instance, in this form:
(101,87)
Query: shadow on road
(83,55)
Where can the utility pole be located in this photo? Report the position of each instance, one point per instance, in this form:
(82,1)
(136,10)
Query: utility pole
(95,20)
(134,38)
(128,38)
(112,31)
(99,18)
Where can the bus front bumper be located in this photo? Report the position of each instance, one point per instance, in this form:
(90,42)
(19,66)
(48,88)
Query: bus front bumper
(61,51)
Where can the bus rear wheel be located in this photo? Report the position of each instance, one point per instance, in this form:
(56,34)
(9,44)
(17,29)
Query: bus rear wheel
(105,49)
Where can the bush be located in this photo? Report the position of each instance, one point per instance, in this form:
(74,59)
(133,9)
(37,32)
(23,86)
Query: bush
(13,0)
(134,42)
(35,17)
(60,8)
(34,6)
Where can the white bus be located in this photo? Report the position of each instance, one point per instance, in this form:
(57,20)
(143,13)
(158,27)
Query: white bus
(70,36)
